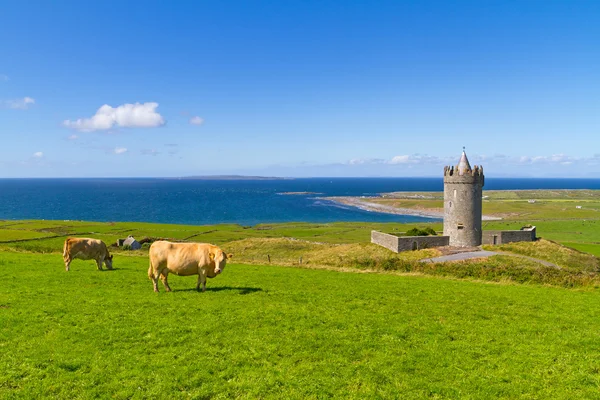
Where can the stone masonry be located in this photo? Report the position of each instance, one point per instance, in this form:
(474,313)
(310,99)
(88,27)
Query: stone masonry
(462,203)
(501,237)
(398,244)
(463,188)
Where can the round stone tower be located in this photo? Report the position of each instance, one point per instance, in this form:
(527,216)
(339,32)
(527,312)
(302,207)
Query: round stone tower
(462,203)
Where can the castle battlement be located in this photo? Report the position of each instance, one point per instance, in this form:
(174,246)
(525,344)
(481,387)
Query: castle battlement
(456,171)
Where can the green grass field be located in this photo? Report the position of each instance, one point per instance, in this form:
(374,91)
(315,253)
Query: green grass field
(331,316)
(271,332)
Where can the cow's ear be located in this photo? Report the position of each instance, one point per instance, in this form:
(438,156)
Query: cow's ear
(229,256)
(211,255)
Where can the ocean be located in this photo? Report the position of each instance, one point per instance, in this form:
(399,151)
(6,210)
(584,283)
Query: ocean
(201,202)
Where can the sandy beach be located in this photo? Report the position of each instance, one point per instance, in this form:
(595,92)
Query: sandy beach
(364,204)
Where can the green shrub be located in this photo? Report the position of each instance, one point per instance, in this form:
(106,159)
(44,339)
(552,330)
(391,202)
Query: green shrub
(420,232)
(430,231)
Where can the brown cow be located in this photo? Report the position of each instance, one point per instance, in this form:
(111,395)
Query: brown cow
(202,259)
(87,249)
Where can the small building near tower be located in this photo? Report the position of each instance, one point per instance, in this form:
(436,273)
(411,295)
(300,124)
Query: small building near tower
(463,188)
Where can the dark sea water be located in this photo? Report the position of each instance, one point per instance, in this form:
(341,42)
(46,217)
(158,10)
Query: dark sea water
(246,202)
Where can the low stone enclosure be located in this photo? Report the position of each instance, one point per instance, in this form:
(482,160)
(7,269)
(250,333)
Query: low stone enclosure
(399,244)
(525,234)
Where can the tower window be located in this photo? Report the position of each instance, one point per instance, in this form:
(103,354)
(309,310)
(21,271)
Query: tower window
(460,226)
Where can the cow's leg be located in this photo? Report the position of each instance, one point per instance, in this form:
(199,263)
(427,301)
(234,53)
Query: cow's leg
(67,263)
(165,282)
(155,277)
(99,262)
(201,281)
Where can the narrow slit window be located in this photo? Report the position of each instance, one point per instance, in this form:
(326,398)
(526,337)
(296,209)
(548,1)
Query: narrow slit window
(460,226)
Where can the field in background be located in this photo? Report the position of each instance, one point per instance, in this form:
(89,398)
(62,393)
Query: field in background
(339,246)
(345,245)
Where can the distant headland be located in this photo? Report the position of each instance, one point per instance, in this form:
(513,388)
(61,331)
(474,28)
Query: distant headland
(232,178)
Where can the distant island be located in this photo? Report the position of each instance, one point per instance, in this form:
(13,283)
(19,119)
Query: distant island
(232,178)
(298,193)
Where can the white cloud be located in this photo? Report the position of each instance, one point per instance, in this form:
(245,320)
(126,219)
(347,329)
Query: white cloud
(149,152)
(361,161)
(20,104)
(119,150)
(401,160)
(73,137)
(408,161)
(127,116)
(38,154)
(420,159)
(196,120)
(561,159)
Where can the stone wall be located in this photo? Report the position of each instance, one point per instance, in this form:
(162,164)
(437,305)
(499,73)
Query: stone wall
(386,240)
(502,237)
(407,243)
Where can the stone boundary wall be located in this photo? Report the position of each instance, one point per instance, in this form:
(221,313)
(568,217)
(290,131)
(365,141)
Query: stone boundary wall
(406,243)
(502,237)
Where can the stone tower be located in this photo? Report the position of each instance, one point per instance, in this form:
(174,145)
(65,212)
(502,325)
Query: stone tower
(462,203)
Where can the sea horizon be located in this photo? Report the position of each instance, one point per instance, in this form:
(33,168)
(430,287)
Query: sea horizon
(217,201)
(266,177)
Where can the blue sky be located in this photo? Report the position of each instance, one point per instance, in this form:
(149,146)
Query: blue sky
(299,88)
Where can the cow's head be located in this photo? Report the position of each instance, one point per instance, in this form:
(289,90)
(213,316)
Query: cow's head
(220,258)
(108,262)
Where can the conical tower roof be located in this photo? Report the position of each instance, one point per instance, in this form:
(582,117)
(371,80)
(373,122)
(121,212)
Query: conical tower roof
(463,165)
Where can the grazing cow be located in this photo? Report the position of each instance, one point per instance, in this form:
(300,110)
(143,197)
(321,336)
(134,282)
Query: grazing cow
(87,249)
(202,259)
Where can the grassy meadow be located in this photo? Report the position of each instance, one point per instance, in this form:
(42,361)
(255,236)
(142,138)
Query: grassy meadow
(307,311)
(262,331)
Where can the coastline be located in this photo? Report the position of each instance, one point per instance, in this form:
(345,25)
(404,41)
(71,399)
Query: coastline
(363,204)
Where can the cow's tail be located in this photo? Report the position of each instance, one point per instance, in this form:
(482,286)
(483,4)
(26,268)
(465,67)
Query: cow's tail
(150,274)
